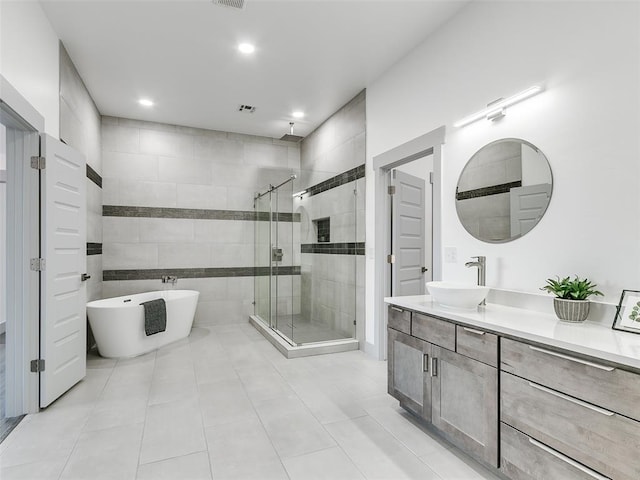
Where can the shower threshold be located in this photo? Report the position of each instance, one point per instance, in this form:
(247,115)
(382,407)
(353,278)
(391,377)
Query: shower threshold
(304,350)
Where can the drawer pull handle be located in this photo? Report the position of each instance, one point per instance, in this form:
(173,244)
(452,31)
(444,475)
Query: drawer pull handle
(599,410)
(473,330)
(434,367)
(396,309)
(573,359)
(425,362)
(565,459)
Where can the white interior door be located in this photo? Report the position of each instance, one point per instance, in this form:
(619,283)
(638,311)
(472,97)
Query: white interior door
(408,235)
(63,321)
(528,204)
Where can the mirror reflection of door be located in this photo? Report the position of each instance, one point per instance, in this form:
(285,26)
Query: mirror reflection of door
(411,227)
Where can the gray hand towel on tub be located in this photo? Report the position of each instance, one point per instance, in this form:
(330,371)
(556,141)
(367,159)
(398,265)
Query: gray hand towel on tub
(155,316)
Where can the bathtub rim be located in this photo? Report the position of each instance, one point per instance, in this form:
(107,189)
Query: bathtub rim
(112,302)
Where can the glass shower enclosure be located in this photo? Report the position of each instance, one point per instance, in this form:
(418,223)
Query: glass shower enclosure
(303,290)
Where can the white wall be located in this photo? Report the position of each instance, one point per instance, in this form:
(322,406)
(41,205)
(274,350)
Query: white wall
(586,123)
(29,58)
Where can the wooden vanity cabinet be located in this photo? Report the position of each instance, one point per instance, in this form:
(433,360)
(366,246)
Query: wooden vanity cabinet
(465,403)
(456,393)
(408,377)
(553,403)
(535,412)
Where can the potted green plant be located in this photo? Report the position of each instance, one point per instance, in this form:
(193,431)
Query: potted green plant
(572,297)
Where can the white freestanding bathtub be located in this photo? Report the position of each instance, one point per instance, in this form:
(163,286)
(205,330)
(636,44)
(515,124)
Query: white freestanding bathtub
(118,323)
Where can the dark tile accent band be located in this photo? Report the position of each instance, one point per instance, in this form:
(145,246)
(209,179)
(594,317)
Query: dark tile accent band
(214,272)
(356,248)
(94,248)
(94,176)
(341,179)
(195,213)
(486,191)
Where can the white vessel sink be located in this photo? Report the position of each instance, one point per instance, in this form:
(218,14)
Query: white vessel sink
(457,295)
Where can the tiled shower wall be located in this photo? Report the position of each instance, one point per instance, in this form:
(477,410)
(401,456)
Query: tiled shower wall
(179,200)
(80,128)
(332,165)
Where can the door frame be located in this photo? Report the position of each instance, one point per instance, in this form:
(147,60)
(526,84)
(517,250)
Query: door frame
(428,144)
(24,285)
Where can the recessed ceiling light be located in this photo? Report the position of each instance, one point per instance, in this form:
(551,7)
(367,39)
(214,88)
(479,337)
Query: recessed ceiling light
(246,48)
(298,114)
(145,102)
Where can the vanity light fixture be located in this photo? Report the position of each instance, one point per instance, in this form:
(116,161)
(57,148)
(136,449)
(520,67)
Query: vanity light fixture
(496,109)
(145,102)
(246,48)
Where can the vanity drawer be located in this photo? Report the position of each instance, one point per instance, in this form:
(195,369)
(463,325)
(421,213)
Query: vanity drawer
(477,344)
(597,383)
(524,458)
(434,330)
(599,439)
(399,319)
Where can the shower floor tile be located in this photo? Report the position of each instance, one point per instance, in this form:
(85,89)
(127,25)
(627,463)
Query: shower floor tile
(224,404)
(302,330)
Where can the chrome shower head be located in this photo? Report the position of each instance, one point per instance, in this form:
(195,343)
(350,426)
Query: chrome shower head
(290,137)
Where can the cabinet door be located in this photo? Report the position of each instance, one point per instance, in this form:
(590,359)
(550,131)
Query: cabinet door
(465,403)
(408,362)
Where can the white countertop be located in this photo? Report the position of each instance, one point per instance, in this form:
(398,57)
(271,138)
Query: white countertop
(587,338)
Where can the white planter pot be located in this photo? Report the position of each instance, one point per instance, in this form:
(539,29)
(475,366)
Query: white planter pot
(571,310)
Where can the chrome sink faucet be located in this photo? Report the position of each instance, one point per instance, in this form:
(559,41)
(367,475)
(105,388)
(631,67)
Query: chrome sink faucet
(481,263)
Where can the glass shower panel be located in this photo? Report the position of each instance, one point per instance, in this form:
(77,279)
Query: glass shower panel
(262,258)
(283,260)
(327,241)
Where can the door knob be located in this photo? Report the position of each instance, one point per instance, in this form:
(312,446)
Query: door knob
(424,269)
(84,277)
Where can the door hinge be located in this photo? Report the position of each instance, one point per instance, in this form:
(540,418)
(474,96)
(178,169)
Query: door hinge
(391,258)
(391,190)
(431,178)
(354,322)
(38,163)
(37,365)
(37,264)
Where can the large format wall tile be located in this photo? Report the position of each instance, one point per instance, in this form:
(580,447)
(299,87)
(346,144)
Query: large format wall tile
(156,165)
(330,160)
(80,128)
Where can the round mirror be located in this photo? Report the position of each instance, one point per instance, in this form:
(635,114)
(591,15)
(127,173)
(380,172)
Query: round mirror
(503,190)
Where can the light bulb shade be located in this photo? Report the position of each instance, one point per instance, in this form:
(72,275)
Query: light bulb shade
(496,109)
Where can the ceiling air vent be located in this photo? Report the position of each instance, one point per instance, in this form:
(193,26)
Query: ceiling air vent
(230,3)
(246,109)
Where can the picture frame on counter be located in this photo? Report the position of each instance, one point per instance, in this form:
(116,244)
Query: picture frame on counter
(627,317)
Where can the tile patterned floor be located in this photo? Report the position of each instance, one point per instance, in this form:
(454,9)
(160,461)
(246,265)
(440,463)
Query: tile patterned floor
(224,404)
(6,424)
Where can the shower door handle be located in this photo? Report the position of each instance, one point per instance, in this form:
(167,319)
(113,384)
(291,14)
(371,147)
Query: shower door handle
(276,254)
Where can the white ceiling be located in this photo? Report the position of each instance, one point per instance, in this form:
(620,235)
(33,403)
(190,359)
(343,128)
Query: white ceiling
(310,55)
